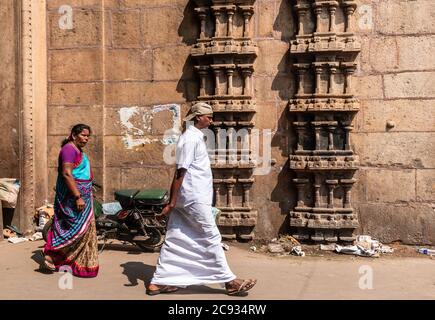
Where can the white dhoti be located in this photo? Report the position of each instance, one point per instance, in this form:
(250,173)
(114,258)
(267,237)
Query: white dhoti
(192,253)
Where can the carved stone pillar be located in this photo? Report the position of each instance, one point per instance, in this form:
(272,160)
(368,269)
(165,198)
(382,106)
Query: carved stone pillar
(332,73)
(347,129)
(230,12)
(302,11)
(349,10)
(247,87)
(348,71)
(202,15)
(318,12)
(230,188)
(331,186)
(300,185)
(331,130)
(332,9)
(217,195)
(247,14)
(203,73)
(230,72)
(246,190)
(301,69)
(317,185)
(318,71)
(300,129)
(217,14)
(317,129)
(347,186)
(217,73)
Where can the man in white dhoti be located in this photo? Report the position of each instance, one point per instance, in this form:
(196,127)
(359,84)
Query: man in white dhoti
(192,253)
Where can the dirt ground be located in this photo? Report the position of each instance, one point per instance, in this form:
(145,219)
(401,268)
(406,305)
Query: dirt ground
(124,271)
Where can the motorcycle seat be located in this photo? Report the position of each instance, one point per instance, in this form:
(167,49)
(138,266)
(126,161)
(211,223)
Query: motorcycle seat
(142,196)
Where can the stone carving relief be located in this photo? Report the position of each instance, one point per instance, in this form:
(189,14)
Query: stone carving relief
(322,111)
(224,55)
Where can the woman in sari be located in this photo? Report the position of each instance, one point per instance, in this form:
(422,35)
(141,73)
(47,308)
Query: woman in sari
(72,240)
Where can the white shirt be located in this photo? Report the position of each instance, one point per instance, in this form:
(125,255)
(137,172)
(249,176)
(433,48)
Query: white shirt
(197,186)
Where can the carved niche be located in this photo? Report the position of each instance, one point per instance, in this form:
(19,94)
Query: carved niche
(224,55)
(323,56)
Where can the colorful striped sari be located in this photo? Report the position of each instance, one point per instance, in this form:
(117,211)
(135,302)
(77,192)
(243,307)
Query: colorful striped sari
(72,240)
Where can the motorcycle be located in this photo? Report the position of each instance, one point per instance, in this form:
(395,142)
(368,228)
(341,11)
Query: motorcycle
(134,222)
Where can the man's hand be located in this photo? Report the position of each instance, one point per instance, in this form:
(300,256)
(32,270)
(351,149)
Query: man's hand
(165,212)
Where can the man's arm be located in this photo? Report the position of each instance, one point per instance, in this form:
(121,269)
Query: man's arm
(175,188)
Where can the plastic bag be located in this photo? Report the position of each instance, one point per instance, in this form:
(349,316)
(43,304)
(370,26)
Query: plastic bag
(9,188)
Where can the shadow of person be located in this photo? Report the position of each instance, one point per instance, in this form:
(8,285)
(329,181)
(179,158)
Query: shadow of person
(137,271)
(38,257)
(198,289)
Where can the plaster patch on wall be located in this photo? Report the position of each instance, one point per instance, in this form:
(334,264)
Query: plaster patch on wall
(171,135)
(135,135)
(130,131)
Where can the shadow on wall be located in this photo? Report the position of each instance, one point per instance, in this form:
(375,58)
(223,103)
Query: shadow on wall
(189,32)
(283,139)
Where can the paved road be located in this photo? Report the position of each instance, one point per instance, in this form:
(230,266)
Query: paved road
(124,272)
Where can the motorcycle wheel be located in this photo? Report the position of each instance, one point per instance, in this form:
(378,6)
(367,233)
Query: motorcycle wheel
(154,242)
(46,228)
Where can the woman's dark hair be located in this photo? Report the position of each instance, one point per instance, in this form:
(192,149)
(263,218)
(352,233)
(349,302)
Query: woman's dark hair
(75,131)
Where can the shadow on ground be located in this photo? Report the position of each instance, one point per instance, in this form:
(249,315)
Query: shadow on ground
(139,272)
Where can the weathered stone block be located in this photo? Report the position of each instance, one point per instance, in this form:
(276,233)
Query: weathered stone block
(167,21)
(150,3)
(169,63)
(411,223)
(410,84)
(268,16)
(266,116)
(368,87)
(112,178)
(384,54)
(263,89)
(75,65)
(128,64)
(272,57)
(274,206)
(384,185)
(52,178)
(58,125)
(407,115)
(398,149)
(56,4)
(142,93)
(93,150)
(121,151)
(426,185)
(160,177)
(86,29)
(75,93)
(403,17)
(126,29)
(416,53)
(162,121)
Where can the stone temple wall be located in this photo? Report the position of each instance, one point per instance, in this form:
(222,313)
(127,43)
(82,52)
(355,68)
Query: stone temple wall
(125,68)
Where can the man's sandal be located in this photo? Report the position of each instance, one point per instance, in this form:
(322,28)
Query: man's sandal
(243,287)
(163,289)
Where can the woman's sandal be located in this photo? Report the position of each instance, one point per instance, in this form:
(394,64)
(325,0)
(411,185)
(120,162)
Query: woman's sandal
(162,289)
(242,287)
(47,264)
